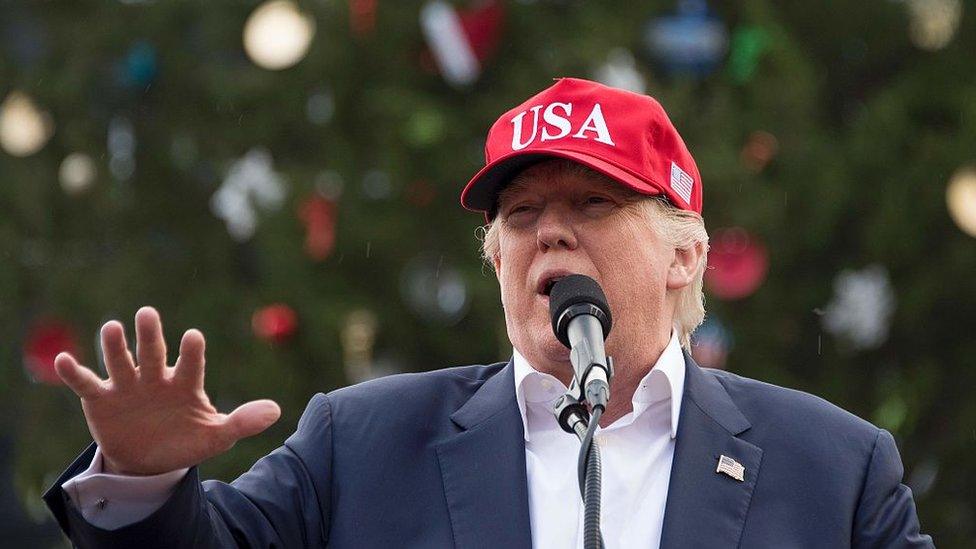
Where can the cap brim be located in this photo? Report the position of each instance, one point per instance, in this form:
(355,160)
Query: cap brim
(481,193)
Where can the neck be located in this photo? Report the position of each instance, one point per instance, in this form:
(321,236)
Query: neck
(628,373)
(630,367)
(621,397)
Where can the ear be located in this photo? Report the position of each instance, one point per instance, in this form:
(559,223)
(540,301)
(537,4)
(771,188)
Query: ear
(496,260)
(682,269)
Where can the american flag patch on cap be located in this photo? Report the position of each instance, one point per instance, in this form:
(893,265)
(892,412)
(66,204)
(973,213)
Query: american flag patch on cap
(731,467)
(681,182)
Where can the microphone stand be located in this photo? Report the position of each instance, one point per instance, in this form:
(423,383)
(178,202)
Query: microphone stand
(573,417)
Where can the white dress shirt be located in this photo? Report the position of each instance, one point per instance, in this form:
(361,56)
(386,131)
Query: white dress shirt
(113,501)
(637,451)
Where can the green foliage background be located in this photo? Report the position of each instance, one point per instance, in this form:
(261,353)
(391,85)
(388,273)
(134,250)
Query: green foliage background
(870,130)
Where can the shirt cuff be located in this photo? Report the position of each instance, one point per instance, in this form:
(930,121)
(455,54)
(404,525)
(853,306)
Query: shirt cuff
(112,501)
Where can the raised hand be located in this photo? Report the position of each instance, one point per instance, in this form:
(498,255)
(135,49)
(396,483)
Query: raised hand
(152,418)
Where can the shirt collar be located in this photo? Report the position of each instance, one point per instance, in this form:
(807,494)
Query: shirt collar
(533,386)
(665,381)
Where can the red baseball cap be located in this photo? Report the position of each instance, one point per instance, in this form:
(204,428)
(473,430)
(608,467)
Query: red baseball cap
(624,135)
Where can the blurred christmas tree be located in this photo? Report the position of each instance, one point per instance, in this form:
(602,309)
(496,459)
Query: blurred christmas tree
(298,202)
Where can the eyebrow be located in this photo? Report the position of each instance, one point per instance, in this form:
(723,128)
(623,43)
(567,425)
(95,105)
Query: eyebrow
(510,189)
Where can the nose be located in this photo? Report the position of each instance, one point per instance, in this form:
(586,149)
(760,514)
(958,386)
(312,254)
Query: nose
(555,229)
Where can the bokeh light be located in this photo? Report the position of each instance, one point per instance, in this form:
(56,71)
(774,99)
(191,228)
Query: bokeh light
(621,71)
(277,35)
(24,129)
(961,199)
(77,172)
(452,51)
(737,263)
(275,323)
(358,336)
(759,150)
(933,22)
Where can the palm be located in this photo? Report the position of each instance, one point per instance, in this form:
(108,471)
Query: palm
(160,427)
(153,418)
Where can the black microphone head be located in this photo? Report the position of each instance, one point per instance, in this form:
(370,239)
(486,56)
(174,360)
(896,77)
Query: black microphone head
(573,295)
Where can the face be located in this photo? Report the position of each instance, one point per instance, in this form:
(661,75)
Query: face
(556,222)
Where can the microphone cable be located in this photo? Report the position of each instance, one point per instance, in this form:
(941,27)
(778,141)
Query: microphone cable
(589,469)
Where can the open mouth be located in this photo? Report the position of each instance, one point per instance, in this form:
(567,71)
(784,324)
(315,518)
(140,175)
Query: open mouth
(549,284)
(546,284)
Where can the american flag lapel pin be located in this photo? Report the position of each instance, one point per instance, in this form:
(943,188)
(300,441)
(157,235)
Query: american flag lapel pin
(731,467)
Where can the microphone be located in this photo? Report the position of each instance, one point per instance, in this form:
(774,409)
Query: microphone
(581,321)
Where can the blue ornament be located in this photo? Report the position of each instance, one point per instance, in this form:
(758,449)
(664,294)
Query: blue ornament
(25,38)
(711,343)
(138,68)
(691,41)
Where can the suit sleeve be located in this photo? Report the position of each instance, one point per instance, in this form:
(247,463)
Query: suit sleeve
(111,501)
(886,515)
(284,500)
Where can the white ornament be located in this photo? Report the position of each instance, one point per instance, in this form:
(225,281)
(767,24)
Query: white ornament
(434,290)
(961,199)
(452,50)
(24,129)
(277,34)
(620,71)
(251,183)
(933,22)
(121,146)
(77,172)
(861,309)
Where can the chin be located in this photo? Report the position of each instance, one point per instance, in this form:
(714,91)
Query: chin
(541,345)
(555,351)
(557,361)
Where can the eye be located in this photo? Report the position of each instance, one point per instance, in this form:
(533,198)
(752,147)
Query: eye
(519,214)
(520,209)
(598,202)
(597,205)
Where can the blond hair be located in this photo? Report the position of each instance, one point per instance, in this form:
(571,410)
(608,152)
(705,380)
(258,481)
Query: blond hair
(680,229)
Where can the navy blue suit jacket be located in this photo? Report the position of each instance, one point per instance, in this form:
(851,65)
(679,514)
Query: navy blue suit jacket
(438,460)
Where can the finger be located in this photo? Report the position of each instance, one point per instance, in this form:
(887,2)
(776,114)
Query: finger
(79,379)
(189,365)
(118,359)
(150,346)
(250,419)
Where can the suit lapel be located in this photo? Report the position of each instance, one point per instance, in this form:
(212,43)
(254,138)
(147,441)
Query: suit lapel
(705,508)
(483,468)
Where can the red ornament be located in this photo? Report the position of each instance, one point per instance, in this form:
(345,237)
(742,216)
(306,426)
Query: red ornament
(482,25)
(362,16)
(275,323)
(737,264)
(461,41)
(319,216)
(759,150)
(45,339)
(420,193)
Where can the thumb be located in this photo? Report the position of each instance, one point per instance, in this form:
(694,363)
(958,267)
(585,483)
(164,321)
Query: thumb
(251,418)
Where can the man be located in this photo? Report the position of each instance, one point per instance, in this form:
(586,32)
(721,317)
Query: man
(581,178)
